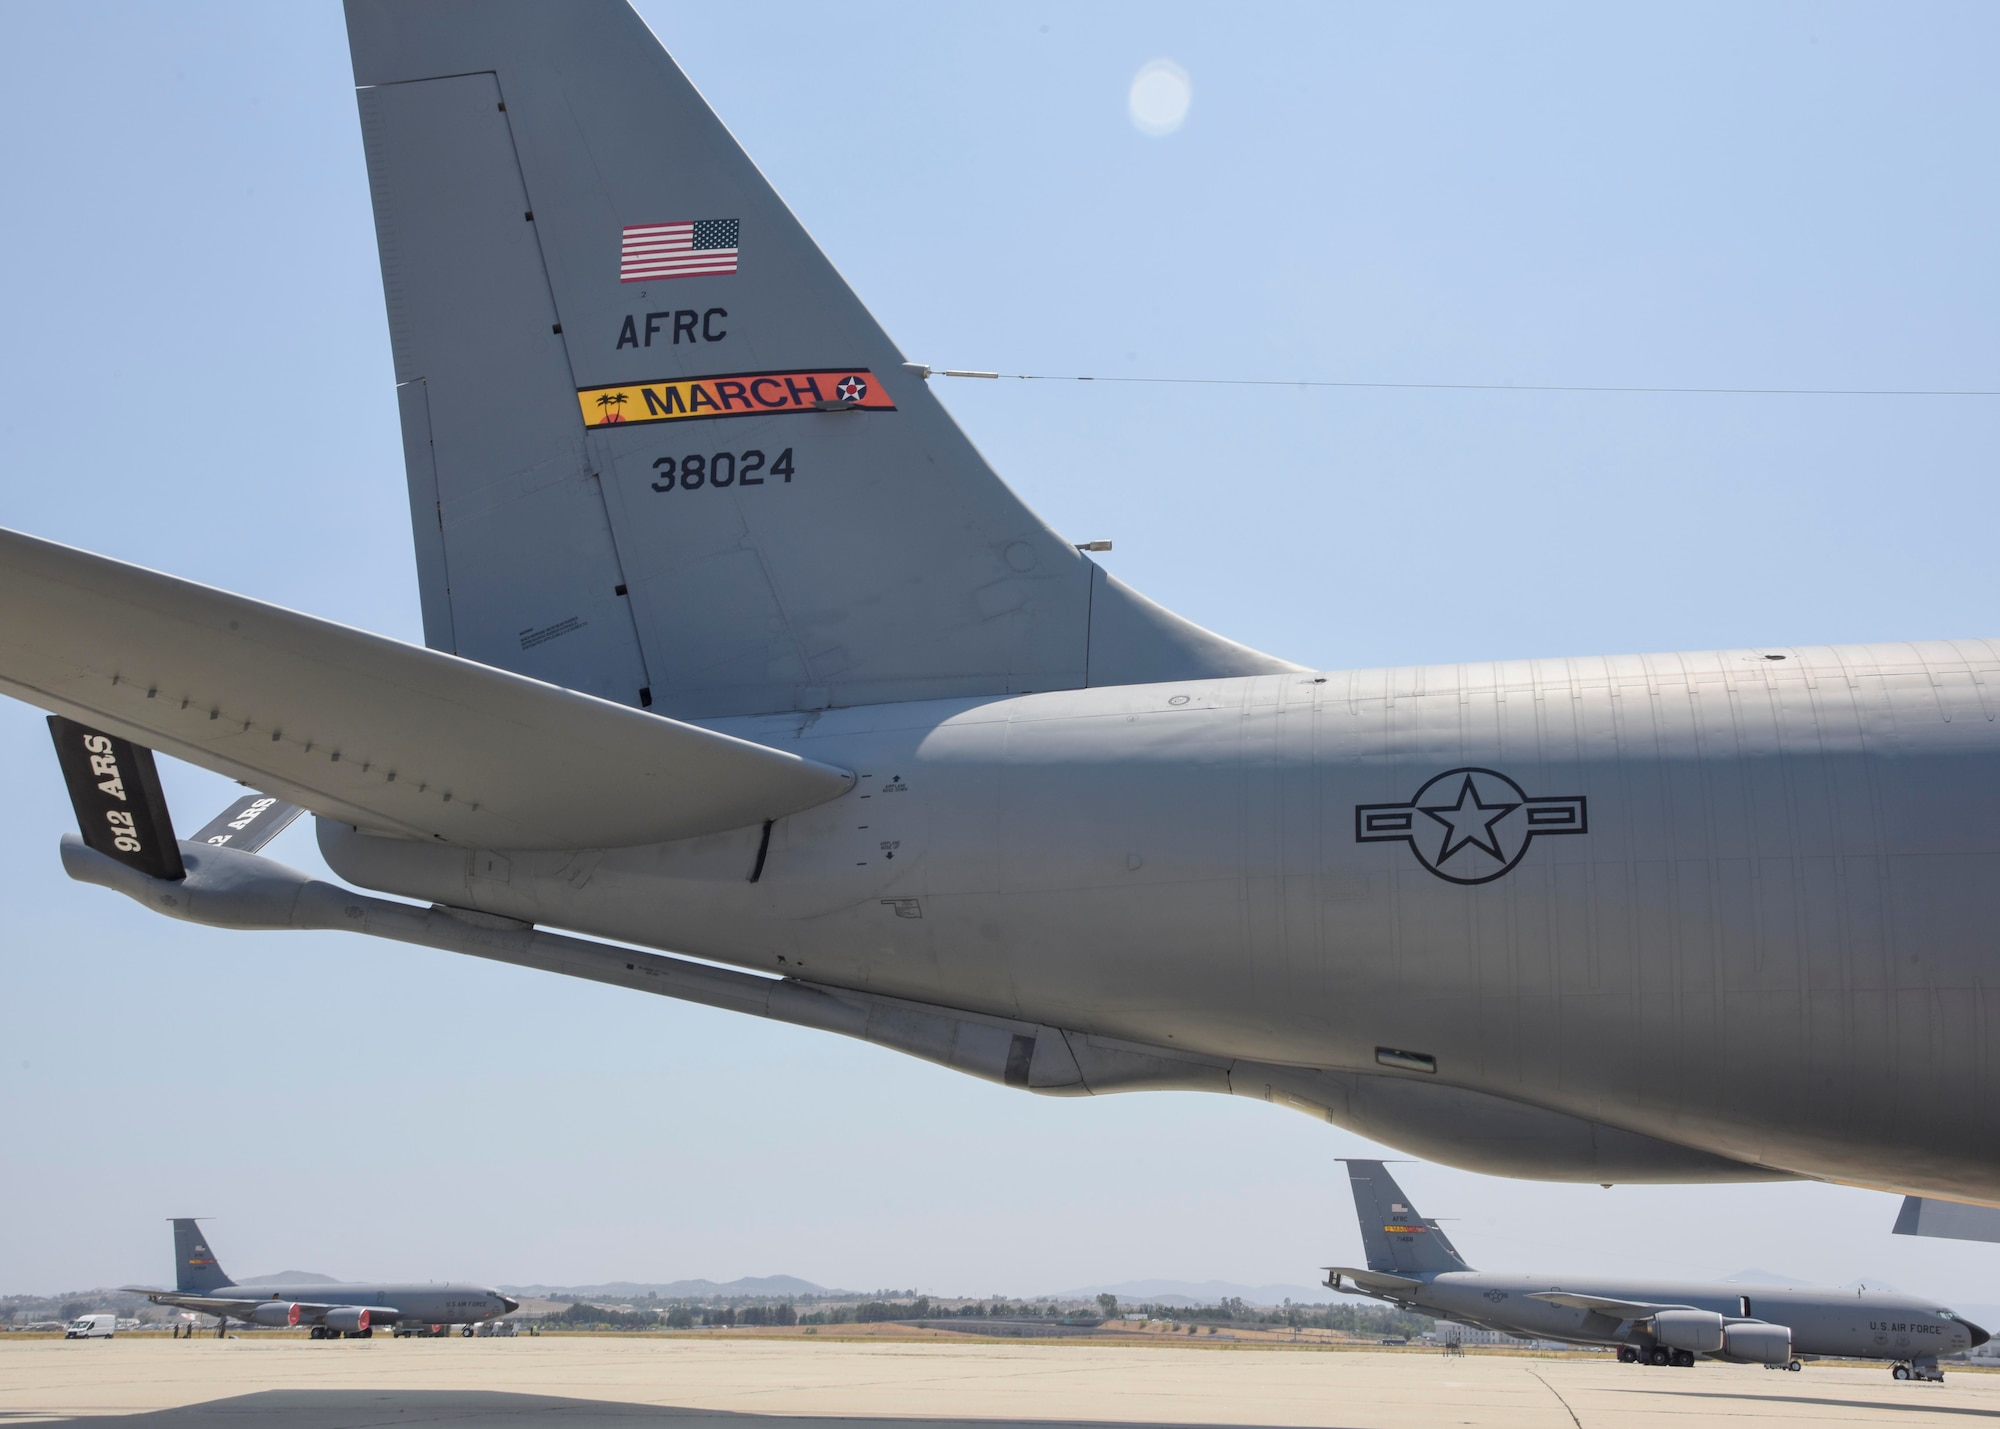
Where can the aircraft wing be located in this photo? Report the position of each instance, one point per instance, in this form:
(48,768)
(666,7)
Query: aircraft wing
(1373,1282)
(367,730)
(1605,1305)
(242,1307)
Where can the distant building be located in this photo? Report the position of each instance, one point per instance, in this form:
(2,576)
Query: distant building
(1449,1330)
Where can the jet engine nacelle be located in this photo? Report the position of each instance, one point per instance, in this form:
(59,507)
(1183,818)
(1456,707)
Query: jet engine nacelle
(1698,1330)
(275,1312)
(1757,1342)
(347,1317)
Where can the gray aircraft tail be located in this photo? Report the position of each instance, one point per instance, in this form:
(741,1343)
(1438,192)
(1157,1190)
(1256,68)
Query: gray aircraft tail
(196,1271)
(657,449)
(1397,1239)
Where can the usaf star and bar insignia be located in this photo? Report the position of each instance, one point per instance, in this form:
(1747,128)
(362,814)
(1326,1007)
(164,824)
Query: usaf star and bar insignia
(1470,825)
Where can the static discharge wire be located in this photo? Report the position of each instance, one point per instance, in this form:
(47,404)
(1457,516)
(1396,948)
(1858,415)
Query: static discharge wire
(922,370)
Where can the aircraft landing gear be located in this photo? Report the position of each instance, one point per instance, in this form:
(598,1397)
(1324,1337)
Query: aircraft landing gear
(1795,1366)
(1627,1354)
(467,1332)
(1659,1354)
(1925,1370)
(1683,1359)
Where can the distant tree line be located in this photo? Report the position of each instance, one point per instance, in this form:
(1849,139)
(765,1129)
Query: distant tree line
(677,1315)
(1366,1321)
(581,1316)
(924,1308)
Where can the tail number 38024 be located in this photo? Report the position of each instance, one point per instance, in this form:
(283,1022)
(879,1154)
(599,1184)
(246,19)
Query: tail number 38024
(723,469)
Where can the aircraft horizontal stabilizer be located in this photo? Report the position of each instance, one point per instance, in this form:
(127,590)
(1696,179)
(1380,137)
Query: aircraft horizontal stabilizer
(367,730)
(1372,1282)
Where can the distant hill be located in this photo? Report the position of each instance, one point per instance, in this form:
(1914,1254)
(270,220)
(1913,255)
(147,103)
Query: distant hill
(1754,1276)
(686,1289)
(291,1277)
(1183,1293)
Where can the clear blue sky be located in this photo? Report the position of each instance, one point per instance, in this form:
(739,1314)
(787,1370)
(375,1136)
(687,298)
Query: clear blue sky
(198,379)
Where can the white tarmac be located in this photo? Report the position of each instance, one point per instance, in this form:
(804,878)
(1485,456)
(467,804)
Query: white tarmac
(697,1384)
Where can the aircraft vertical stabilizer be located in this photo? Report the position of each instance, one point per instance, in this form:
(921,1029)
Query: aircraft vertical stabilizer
(196,1270)
(1397,1239)
(657,449)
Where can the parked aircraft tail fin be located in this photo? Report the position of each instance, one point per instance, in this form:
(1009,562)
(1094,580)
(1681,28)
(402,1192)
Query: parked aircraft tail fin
(196,1270)
(1398,1240)
(657,449)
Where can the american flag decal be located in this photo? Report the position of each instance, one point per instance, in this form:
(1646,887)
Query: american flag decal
(678,250)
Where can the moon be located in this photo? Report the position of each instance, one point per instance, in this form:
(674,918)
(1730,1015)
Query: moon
(1159,98)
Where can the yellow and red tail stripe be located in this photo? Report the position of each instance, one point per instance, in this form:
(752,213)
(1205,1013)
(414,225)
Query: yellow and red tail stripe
(737,394)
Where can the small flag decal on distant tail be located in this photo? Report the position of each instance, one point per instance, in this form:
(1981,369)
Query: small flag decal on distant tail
(690,248)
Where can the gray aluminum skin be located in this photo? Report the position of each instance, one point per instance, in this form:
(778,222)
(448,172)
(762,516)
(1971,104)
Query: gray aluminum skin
(1411,1263)
(1773,943)
(1666,917)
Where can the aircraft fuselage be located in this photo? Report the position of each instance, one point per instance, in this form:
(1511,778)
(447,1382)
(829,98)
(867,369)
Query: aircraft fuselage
(1860,1324)
(1740,901)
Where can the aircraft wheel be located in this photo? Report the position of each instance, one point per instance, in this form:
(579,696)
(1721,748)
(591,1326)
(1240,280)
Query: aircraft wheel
(317,1332)
(467,1332)
(1901,1371)
(1660,1355)
(1627,1355)
(1795,1366)
(1683,1359)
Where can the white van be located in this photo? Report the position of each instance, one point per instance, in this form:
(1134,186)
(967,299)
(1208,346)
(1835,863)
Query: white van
(91,1327)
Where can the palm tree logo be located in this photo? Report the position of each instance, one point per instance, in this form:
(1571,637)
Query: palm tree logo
(611,402)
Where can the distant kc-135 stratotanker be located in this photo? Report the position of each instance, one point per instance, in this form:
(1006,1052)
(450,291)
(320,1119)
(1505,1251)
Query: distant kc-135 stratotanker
(1412,1263)
(330,1310)
(739,649)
